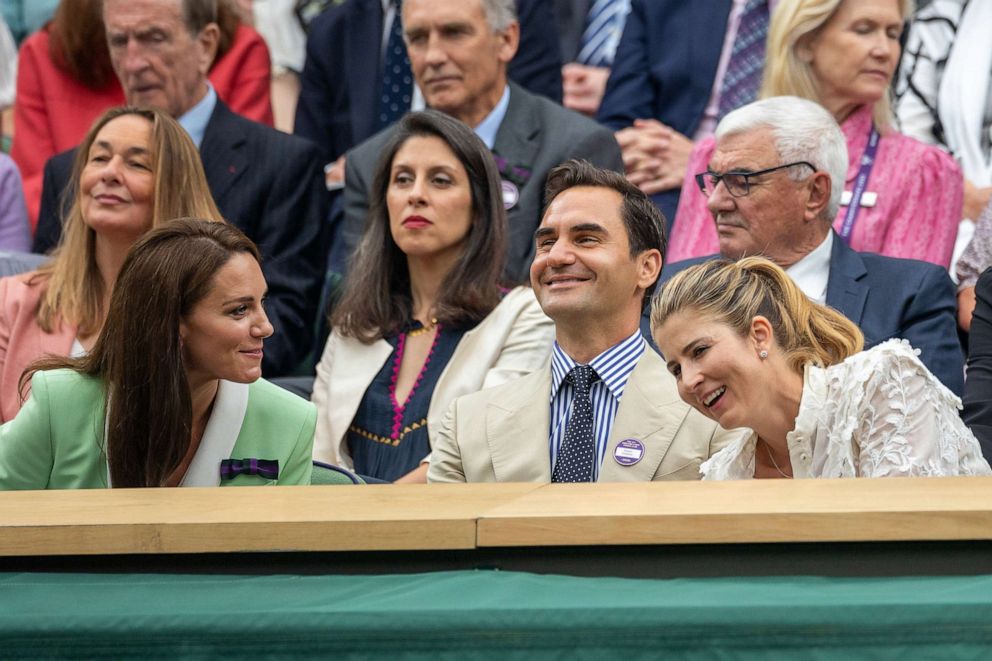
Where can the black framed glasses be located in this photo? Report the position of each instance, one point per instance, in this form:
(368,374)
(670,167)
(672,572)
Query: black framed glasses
(739,183)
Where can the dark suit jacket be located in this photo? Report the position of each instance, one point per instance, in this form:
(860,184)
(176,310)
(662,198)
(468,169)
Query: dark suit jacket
(889,297)
(664,68)
(978,388)
(536,134)
(271,186)
(338,102)
(570,19)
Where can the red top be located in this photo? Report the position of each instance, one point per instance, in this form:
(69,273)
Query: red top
(52,111)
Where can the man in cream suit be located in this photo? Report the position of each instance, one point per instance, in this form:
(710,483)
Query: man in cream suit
(605,409)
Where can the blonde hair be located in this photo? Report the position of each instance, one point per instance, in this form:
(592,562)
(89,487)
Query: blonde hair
(793,24)
(735,292)
(74,287)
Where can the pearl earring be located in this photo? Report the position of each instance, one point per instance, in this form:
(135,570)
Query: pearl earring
(763,355)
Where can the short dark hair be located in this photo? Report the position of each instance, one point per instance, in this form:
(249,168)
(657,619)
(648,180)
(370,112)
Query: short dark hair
(644,222)
(377,301)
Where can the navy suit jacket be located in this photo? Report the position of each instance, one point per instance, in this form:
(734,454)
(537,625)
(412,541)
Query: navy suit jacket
(889,297)
(977,412)
(339,93)
(664,69)
(570,19)
(271,186)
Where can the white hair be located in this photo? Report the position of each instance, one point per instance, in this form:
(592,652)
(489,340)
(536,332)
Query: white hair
(803,131)
(499,13)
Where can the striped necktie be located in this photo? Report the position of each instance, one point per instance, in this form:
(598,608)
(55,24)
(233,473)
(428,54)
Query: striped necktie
(397,79)
(604,26)
(747,59)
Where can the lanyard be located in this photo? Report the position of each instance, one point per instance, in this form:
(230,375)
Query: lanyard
(867,162)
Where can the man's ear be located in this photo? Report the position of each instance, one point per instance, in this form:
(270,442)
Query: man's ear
(649,267)
(209,41)
(509,42)
(819,187)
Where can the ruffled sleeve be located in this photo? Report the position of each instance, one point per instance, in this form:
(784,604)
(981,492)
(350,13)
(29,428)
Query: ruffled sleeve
(907,421)
(694,234)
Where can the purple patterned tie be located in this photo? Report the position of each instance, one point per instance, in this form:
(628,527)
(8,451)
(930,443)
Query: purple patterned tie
(747,59)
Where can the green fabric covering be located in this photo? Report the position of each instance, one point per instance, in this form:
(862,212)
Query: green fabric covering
(491,614)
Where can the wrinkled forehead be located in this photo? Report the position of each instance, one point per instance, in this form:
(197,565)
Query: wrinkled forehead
(749,150)
(134,15)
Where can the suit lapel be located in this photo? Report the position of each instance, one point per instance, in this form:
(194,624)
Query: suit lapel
(363,38)
(517,430)
(518,141)
(355,366)
(846,291)
(650,412)
(222,153)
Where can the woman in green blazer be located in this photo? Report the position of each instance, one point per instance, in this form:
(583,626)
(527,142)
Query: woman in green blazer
(170,394)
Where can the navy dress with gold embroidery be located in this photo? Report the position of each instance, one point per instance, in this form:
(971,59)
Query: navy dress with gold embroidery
(387,441)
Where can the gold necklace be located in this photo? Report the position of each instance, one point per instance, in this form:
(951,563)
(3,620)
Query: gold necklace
(423,329)
(768,449)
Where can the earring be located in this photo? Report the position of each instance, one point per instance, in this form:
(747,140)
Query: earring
(763,354)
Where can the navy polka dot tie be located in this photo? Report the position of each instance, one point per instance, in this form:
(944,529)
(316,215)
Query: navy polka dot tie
(578,449)
(397,79)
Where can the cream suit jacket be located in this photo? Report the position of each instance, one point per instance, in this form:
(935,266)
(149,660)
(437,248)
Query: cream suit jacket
(502,434)
(515,339)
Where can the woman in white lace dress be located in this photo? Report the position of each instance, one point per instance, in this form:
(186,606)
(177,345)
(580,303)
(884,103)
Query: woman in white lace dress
(750,350)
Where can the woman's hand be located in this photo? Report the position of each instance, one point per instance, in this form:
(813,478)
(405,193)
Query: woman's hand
(417,476)
(975,199)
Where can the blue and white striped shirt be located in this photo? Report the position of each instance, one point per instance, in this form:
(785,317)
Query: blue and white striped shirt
(613,367)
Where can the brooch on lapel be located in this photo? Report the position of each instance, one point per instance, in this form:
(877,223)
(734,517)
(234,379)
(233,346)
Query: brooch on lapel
(267,468)
(512,179)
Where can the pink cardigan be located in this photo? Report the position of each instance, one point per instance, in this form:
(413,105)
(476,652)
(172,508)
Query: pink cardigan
(920,196)
(21,339)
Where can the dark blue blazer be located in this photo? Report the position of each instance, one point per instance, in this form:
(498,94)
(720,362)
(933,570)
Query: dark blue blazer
(977,412)
(338,102)
(271,186)
(664,69)
(889,297)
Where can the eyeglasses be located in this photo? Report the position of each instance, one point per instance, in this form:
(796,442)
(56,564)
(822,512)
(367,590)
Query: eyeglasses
(738,183)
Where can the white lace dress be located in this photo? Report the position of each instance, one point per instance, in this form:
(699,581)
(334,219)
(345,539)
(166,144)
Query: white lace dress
(880,413)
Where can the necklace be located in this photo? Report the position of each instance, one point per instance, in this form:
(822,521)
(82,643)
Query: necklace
(423,329)
(768,449)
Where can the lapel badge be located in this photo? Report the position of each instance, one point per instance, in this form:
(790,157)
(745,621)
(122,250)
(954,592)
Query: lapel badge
(511,194)
(628,452)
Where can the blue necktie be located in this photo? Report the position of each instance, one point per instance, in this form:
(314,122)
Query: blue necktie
(604,26)
(747,59)
(577,453)
(397,79)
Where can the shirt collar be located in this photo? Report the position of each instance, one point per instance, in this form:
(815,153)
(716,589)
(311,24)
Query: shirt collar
(812,272)
(487,128)
(195,119)
(613,365)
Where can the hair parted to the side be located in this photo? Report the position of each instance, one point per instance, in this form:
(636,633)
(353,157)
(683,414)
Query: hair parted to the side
(735,292)
(377,302)
(793,24)
(139,352)
(644,222)
(74,286)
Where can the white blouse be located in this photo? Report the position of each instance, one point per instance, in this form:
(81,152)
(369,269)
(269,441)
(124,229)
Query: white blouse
(880,413)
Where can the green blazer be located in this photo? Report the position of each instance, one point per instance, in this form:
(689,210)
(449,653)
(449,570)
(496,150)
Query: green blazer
(56,440)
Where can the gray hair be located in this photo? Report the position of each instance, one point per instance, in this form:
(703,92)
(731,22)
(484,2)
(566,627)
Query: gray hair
(499,13)
(804,131)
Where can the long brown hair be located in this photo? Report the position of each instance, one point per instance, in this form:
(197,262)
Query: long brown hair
(77,42)
(75,289)
(736,292)
(377,302)
(139,352)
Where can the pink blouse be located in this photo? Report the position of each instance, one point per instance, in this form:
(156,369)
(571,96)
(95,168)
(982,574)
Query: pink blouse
(920,196)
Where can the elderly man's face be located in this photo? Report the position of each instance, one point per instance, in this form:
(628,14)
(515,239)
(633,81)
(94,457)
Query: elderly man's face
(157,60)
(769,220)
(458,61)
